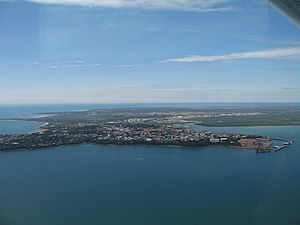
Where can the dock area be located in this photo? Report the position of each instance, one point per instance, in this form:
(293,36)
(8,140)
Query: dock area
(278,144)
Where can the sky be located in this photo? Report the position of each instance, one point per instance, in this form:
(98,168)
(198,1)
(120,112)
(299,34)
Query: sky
(147,51)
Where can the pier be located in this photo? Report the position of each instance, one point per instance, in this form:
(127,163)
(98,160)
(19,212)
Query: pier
(283,143)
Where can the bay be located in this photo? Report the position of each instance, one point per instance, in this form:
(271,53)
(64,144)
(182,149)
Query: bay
(133,185)
(18,127)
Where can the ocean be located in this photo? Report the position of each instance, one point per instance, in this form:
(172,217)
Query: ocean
(134,185)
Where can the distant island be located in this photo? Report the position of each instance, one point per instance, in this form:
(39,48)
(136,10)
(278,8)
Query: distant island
(153,126)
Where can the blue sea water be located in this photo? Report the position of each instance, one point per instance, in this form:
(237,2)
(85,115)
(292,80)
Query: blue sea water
(18,127)
(134,185)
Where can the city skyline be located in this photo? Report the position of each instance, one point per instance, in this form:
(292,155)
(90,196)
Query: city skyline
(77,51)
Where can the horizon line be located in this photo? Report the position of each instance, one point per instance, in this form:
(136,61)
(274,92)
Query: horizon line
(146,103)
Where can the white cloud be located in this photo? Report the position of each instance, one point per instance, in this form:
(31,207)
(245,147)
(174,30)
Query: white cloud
(66,64)
(127,65)
(74,65)
(277,53)
(182,5)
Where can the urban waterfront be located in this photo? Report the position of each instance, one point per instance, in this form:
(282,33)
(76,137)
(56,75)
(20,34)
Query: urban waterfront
(159,125)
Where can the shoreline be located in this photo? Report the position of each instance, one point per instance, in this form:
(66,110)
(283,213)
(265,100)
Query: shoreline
(258,150)
(263,143)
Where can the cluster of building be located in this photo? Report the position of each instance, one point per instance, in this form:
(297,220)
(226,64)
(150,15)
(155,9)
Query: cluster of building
(124,133)
(186,117)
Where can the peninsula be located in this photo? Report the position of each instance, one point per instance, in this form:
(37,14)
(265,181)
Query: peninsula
(140,126)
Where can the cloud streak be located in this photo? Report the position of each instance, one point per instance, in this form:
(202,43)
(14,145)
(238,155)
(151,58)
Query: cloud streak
(66,64)
(277,53)
(181,5)
(74,66)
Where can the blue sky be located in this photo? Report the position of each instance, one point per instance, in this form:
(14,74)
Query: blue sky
(119,51)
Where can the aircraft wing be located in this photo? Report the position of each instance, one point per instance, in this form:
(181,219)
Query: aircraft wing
(291,8)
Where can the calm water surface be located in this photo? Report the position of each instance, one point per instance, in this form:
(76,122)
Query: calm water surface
(136,185)
(18,127)
(133,185)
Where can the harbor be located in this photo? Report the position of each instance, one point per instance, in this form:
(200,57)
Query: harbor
(277,144)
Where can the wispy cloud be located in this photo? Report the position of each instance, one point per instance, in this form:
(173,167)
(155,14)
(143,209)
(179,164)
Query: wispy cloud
(277,53)
(182,5)
(66,64)
(74,65)
(128,65)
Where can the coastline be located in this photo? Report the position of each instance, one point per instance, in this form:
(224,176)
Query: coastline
(258,150)
(146,126)
(42,130)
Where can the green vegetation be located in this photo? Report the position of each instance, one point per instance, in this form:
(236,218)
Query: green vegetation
(268,119)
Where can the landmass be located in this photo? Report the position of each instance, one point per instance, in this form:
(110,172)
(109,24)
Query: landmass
(155,126)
